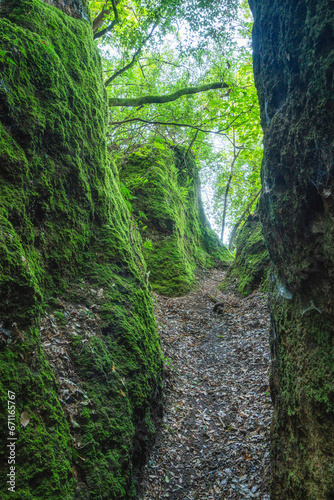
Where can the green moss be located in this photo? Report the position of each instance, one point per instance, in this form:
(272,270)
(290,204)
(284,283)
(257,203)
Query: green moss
(43,457)
(60,317)
(166,189)
(251,264)
(64,228)
(303,392)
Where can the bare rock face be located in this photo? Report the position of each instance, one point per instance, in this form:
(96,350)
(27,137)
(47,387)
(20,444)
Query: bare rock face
(294,67)
(74,8)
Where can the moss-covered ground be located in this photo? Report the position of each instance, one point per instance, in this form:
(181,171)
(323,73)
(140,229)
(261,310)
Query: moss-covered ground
(64,229)
(166,201)
(250,267)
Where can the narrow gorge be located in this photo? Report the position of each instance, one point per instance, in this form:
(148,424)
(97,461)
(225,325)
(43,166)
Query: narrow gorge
(118,297)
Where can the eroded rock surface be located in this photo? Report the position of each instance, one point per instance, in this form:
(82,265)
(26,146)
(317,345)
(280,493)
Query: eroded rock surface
(294,68)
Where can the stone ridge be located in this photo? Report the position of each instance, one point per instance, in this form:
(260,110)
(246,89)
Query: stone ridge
(251,265)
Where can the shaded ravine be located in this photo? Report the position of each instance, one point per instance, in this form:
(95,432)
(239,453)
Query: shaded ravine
(214,438)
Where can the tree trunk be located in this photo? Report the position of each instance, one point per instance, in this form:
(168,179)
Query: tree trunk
(294,63)
(228,185)
(161,99)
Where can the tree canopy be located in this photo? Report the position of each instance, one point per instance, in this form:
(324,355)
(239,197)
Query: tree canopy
(179,72)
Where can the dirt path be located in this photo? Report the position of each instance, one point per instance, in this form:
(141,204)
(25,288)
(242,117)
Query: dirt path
(214,439)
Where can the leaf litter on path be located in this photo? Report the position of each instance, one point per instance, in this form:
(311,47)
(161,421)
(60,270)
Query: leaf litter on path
(214,438)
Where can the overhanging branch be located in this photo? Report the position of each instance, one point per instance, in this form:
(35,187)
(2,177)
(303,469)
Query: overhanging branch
(161,99)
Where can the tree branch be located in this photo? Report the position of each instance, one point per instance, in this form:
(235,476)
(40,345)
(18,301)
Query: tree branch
(172,124)
(114,8)
(111,25)
(234,119)
(159,60)
(134,59)
(98,21)
(228,185)
(191,143)
(161,99)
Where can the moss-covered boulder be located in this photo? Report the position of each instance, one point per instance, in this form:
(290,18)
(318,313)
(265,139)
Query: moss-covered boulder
(166,200)
(86,375)
(250,268)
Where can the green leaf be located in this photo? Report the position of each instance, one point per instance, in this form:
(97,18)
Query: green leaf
(159,146)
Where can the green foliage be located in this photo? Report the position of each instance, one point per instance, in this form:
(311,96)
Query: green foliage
(148,245)
(205,120)
(135,19)
(246,135)
(65,229)
(167,64)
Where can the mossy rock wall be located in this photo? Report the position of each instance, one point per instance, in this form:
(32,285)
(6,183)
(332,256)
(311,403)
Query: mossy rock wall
(180,234)
(294,68)
(251,266)
(78,340)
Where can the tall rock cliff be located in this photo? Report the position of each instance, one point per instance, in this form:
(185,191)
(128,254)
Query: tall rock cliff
(294,71)
(79,352)
(166,192)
